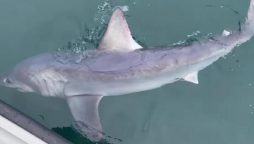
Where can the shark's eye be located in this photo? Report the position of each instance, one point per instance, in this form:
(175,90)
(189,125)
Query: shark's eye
(7,81)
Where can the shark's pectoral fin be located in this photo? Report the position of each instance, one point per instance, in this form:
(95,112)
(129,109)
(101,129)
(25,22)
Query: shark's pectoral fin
(118,36)
(84,110)
(192,77)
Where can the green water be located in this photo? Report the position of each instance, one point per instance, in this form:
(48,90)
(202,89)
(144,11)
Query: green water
(220,110)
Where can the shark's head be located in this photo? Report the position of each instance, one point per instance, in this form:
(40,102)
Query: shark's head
(16,79)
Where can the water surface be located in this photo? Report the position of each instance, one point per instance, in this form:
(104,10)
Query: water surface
(220,110)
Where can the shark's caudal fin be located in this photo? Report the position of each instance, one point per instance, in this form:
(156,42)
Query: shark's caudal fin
(250,17)
(84,110)
(118,35)
(248,27)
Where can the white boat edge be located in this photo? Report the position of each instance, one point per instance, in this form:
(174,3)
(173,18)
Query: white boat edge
(16,128)
(11,133)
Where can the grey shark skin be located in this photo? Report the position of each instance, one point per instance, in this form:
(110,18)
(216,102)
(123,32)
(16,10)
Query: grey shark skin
(119,66)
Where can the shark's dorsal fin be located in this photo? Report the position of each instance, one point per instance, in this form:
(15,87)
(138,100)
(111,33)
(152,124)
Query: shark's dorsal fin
(118,36)
(192,77)
(84,109)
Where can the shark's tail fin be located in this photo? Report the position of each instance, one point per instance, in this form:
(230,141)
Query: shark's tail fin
(247,31)
(249,23)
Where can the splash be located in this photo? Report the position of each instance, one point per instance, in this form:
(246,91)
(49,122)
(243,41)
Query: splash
(102,14)
(191,38)
(77,49)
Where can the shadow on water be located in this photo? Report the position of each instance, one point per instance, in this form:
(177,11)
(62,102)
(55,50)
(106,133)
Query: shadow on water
(72,135)
(77,138)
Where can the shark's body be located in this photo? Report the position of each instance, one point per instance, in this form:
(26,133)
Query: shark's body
(113,73)
(119,66)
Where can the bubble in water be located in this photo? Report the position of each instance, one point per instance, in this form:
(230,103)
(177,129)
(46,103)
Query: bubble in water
(251,106)
(194,34)
(92,33)
(191,38)
(103,12)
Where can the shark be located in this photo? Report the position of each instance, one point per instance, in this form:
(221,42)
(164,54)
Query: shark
(119,66)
